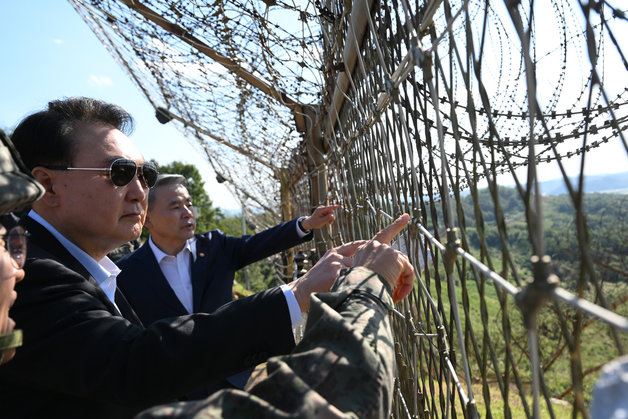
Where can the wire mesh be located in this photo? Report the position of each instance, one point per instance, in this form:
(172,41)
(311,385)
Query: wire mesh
(428,108)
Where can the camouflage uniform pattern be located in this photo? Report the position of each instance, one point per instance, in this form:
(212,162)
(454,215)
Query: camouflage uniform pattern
(343,367)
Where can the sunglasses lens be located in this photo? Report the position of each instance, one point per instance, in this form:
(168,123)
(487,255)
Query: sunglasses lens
(15,243)
(122,172)
(149,173)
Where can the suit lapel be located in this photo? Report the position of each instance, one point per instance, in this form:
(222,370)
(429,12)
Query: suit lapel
(200,273)
(158,282)
(49,243)
(125,309)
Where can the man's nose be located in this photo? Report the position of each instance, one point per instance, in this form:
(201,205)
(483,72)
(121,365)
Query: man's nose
(136,190)
(188,211)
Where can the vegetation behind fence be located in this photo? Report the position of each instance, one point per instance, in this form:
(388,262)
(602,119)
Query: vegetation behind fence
(430,108)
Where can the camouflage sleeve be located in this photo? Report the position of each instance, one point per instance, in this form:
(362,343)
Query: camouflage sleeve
(342,368)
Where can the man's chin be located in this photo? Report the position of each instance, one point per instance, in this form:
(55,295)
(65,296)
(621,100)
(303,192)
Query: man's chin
(136,235)
(132,232)
(188,232)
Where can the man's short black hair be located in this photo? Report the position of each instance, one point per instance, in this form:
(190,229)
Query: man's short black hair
(46,138)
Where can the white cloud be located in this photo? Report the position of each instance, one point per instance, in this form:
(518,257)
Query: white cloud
(57,41)
(100,80)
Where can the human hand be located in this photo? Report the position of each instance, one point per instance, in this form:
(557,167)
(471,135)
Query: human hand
(391,264)
(321,216)
(322,275)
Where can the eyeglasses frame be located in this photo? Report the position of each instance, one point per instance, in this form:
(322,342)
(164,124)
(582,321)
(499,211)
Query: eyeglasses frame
(140,175)
(18,262)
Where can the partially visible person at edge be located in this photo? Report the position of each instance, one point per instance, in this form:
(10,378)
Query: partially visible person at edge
(87,354)
(10,274)
(17,189)
(177,272)
(344,366)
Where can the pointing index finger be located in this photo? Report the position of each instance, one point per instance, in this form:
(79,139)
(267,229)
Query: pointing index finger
(349,249)
(387,234)
(327,208)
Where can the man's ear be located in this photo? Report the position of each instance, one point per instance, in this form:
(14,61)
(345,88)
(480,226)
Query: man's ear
(47,179)
(147,224)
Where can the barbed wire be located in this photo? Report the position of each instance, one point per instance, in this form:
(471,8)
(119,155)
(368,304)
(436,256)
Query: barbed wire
(425,108)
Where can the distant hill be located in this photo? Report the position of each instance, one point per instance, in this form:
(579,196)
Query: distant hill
(611,183)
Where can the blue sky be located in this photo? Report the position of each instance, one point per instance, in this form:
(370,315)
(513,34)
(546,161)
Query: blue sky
(48,52)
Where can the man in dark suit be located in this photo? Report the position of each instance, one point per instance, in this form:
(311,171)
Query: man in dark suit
(85,353)
(177,272)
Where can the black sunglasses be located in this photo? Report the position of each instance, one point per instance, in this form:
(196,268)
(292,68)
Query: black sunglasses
(122,171)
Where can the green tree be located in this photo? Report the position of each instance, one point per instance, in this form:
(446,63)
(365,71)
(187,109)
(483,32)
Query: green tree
(261,274)
(208,217)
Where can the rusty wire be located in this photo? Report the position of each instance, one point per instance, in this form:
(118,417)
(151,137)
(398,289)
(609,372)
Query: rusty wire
(424,107)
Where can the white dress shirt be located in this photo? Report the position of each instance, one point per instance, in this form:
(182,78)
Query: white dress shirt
(103,271)
(178,270)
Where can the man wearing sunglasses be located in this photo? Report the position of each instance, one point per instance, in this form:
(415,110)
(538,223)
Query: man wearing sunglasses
(85,352)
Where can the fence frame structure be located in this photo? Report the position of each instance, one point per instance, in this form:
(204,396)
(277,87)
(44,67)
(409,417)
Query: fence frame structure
(390,136)
(542,288)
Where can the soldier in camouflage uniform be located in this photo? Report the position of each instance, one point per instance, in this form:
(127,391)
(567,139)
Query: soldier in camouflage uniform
(344,365)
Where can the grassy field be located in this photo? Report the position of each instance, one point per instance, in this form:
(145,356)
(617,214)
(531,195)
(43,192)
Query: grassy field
(484,318)
(561,409)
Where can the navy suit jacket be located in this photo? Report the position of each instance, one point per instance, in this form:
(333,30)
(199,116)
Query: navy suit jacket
(218,257)
(82,358)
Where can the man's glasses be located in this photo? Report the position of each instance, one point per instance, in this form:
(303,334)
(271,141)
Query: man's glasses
(122,171)
(15,241)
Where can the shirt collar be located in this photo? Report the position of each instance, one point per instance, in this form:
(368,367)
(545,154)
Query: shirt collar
(190,246)
(100,270)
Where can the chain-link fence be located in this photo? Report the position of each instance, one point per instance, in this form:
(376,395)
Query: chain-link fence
(428,108)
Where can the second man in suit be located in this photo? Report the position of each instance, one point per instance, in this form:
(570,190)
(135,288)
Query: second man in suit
(177,272)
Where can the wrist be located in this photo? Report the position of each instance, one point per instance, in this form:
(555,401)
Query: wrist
(302,296)
(301,222)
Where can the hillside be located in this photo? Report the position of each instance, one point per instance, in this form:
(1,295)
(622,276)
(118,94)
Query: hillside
(608,183)
(607,221)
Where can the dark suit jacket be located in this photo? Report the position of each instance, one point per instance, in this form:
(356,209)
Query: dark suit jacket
(81,358)
(218,257)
